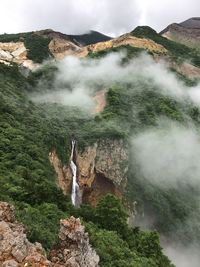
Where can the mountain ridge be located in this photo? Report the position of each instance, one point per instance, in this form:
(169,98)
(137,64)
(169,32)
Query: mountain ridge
(186,32)
(145,128)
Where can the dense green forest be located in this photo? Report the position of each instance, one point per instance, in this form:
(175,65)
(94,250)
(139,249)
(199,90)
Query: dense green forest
(28,131)
(37,45)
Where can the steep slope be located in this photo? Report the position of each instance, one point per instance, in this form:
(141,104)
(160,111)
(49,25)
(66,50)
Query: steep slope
(180,57)
(29,131)
(128,39)
(30,47)
(92,37)
(73,248)
(35,134)
(187,32)
(15,249)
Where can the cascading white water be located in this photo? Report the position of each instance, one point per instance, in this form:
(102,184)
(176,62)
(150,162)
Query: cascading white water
(75,186)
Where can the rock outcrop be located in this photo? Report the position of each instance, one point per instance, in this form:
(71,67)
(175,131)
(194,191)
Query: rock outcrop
(15,52)
(128,39)
(62,172)
(60,48)
(102,169)
(100,101)
(15,249)
(109,172)
(73,249)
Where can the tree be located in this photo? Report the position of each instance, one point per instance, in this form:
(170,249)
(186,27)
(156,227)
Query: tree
(111,215)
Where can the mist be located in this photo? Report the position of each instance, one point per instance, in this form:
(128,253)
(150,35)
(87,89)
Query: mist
(168,154)
(183,257)
(75,98)
(78,80)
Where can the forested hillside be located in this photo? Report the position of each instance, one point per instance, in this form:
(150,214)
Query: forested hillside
(138,107)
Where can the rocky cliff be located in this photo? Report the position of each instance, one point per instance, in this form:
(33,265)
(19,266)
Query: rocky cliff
(187,32)
(102,169)
(15,52)
(62,45)
(15,249)
(128,39)
(72,250)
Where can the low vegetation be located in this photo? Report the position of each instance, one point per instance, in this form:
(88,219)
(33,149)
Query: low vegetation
(37,45)
(28,131)
(178,51)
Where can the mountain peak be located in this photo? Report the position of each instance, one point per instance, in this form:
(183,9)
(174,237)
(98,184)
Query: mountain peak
(193,23)
(186,32)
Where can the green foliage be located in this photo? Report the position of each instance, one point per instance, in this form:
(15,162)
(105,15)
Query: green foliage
(177,50)
(110,214)
(36,45)
(130,52)
(28,131)
(113,251)
(135,109)
(169,208)
(119,245)
(44,75)
(27,178)
(13,37)
(42,222)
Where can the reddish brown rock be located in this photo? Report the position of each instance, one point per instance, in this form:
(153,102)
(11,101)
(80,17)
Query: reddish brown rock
(102,169)
(73,249)
(15,249)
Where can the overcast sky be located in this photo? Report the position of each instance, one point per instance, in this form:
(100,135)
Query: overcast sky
(111,17)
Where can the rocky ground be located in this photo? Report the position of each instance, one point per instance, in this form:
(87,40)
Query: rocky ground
(73,248)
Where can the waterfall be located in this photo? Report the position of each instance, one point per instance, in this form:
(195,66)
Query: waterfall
(75,186)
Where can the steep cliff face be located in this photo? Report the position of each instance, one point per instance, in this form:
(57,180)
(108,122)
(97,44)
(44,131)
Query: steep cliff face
(62,45)
(15,249)
(128,39)
(102,169)
(15,52)
(62,172)
(60,48)
(73,249)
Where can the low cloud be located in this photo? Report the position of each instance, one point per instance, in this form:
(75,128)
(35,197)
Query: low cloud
(75,98)
(165,155)
(183,257)
(77,80)
(168,154)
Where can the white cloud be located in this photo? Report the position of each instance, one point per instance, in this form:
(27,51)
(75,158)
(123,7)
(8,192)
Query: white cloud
(77,79)
(108,16)
(159,14)
(183,257)
(168,154)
